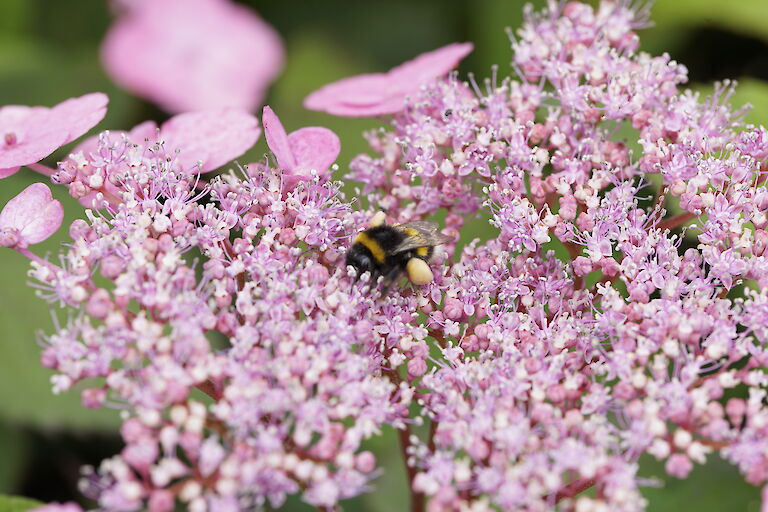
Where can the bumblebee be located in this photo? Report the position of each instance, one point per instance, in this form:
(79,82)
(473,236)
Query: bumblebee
(389,250)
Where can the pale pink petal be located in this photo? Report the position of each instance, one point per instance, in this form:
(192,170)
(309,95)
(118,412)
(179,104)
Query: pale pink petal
(212,137)
(4,173)
(33,213)
(29,134)
(314,147)
(188,55)
(78,115)
(143,132)
(385,93)
(427,66)
(357,90)
(277,139)
(26,135)
(390,106)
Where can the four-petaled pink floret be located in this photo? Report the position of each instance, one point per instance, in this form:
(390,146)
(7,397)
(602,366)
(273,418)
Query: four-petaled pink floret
(30,217)
(304,150)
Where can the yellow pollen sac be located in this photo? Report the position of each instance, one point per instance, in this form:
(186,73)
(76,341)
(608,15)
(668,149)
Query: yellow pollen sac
(372,245)
(419,272)
(378,219)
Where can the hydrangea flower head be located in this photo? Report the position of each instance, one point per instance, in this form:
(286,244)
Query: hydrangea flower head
(604,320)
(188,55)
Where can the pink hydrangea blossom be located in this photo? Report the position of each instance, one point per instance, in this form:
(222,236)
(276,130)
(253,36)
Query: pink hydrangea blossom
(384,93)
(30,217)
(188,55)
(30,134)
(310,148)
(617,310)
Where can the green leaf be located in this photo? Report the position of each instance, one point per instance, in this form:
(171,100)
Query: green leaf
(15,17)
(754,92)
(744,16)
(712,487)
(17,503)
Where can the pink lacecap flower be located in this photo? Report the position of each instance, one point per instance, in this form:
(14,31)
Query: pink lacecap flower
(30,134)
(309,148)
(30,217)
(193,54)
(384,93)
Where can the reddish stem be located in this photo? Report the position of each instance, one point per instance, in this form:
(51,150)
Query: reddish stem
(417,499)
(209,388)
(677,220)
(574,488)
(42,169)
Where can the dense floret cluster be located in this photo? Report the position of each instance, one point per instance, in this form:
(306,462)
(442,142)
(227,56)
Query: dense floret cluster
(619,310)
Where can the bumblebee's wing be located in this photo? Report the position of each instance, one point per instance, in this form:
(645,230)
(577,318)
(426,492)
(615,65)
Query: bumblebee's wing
(419,233)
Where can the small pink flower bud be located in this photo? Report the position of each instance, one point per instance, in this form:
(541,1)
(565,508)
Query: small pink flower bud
(365,462)
(678,465)
(93,398)
(417,367)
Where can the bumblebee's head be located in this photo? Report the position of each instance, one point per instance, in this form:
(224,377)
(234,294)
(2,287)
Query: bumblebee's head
(360,259)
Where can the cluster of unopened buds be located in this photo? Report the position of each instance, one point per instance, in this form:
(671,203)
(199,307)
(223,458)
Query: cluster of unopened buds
(620,310)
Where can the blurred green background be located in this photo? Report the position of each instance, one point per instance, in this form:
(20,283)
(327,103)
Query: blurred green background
(49,52)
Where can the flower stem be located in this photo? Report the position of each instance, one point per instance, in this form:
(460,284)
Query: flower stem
(42,169)
(417,499)
(574,488)
(677,220)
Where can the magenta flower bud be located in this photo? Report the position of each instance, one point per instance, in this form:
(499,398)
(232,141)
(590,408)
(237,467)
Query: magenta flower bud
(132,431)
(63,177)
(417,367)
(453,309)
(141,455)
(99,304)
(161,500)
(93,398)
(365,462)
(111,267)
(678,465)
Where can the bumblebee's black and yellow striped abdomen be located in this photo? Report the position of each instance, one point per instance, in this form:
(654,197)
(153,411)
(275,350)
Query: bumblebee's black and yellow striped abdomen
(385,250)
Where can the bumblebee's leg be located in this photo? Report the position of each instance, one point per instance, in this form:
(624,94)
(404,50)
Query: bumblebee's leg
(390,278)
